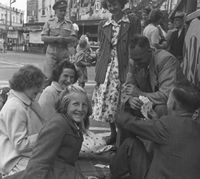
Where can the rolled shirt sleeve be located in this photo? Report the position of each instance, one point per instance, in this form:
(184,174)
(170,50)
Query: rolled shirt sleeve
(73,32)
(46,29)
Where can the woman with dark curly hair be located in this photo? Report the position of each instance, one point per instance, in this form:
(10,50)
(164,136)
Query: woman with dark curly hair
(20,120)
(114,36)
(63,74)
(59,141)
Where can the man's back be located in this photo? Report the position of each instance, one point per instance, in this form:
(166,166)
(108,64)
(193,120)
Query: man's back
(179,157)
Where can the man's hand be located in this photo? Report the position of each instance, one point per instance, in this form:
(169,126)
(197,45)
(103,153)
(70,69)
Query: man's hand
(135,103)
(132,90)
(152,115)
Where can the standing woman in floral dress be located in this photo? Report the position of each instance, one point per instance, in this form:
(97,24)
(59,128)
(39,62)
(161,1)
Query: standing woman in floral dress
(114,36)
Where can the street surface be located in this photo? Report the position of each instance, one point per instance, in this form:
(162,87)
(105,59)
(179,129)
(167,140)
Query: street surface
(10,62)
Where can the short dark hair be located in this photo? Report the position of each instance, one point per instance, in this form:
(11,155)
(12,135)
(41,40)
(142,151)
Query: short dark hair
(187,95)
(139,40)
(121,2)
(27,77)
(58,69)
(155,15)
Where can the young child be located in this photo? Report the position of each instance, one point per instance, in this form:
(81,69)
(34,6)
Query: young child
(3,95)
(83,59)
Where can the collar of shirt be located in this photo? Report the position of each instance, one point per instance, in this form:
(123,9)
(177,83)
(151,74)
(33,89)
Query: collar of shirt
(64,21)
(179,31)
(21,96)
(57,86)
(112,22)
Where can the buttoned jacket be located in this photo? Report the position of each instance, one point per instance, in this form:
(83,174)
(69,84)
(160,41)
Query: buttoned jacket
(19,127)
(127,30)
(176,43)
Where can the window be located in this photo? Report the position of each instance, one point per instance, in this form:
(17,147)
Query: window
(43,7)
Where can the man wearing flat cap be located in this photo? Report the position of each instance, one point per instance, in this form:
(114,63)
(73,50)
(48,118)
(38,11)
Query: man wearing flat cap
(176,40)
(59,34)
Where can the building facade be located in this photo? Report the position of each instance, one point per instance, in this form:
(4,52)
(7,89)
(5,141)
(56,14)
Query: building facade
(11,24)
(45,10)
(85,13)
(32,11)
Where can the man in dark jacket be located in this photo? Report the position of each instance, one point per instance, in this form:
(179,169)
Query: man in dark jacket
(177,37)
(175,137)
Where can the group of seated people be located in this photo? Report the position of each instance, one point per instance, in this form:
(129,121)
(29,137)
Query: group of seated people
(42,138)
(39,133)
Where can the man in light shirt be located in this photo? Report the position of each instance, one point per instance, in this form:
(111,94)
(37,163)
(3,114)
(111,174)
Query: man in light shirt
(154,32)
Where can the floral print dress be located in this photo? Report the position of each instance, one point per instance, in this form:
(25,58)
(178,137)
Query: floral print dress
(106,96)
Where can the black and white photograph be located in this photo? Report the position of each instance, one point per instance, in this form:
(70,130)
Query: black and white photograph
(99,89)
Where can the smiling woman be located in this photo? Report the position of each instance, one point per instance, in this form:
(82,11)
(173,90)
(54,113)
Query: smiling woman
(65,130)
(63,74)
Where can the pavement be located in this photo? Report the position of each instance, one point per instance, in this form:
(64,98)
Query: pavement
(12,61)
